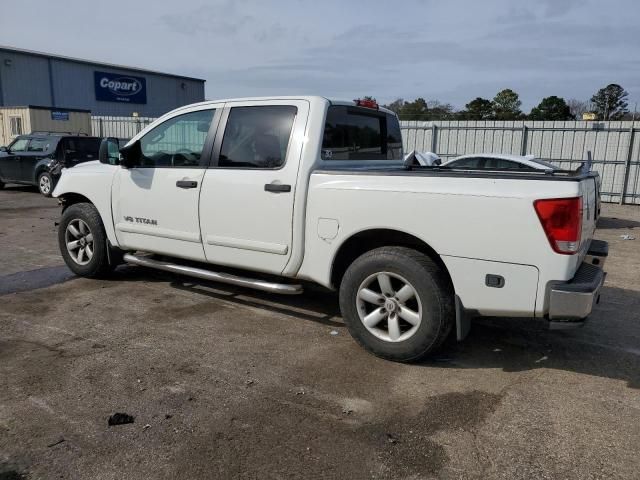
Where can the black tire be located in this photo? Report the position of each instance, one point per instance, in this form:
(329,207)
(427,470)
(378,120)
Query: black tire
(45,184)
(98,266)
(2,185)
(433,291)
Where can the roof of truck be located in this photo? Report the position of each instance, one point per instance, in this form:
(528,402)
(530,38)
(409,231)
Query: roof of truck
(309,98)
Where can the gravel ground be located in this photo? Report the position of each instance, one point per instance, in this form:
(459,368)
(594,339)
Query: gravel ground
(230,383)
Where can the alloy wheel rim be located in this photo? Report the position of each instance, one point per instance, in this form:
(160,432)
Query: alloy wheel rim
(79,241)
(45,184)
(389,307)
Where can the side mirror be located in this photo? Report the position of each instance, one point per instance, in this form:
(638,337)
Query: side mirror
(109,152)
(130,155)
(4,149)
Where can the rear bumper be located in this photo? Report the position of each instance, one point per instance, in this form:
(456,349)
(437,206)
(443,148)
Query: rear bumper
(573,301)
(597,253)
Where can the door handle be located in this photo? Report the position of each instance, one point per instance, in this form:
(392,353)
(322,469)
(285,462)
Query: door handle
(186,184)
(277,187)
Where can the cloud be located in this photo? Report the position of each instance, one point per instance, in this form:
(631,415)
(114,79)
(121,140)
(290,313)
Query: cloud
(218,20)
(451,51)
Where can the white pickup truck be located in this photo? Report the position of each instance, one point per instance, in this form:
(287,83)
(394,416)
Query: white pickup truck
(270,193)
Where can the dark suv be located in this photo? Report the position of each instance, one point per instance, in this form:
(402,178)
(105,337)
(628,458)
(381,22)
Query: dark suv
(37,159)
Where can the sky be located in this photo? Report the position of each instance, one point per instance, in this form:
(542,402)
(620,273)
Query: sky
(451,51)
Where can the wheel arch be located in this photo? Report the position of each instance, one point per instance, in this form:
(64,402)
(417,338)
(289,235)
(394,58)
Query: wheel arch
(366,240)
(39,170)
(71,198)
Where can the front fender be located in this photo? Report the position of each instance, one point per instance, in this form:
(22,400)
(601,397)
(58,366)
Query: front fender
(93,181)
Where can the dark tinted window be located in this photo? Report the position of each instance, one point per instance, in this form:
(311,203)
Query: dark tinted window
(80,149)
(352,133)
(471,163)
(257,137)
(177,142)
(501,164)
(39,145)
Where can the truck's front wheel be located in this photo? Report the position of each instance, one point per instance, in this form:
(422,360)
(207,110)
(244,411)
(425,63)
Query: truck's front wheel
(397,303)
(83,241)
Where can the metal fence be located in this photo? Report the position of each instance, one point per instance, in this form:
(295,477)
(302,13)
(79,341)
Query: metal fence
(615,146)
(118,127)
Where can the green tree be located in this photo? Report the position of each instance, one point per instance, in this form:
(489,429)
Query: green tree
(477,109)
(416,110)
(577,107)
(506,105)
(440,111)
(610,102)
(396,105)
(551,108)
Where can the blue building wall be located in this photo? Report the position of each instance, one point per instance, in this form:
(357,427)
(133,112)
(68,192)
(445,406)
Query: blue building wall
(32,78)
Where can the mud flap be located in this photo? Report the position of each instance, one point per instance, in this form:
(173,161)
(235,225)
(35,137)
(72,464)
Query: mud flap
(463,321)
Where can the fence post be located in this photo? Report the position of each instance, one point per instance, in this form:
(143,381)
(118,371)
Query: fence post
(434,137)
(523,144)
(627,165)
(101,128)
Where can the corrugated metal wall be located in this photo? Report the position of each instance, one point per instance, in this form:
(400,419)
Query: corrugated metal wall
(24,80)
(615,146)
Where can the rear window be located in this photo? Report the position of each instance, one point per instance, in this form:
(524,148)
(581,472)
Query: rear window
(81,149)
(352,133)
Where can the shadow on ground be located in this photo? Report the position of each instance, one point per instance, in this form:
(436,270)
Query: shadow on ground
(608,346)
(617,223)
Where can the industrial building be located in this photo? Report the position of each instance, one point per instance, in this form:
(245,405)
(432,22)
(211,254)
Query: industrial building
(63,83)
(16,121)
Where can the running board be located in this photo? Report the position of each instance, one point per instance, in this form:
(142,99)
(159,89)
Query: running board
(281,288)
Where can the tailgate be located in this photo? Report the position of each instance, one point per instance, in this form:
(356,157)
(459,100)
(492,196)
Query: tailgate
(589,191)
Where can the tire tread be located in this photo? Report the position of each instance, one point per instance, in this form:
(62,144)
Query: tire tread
(443,290)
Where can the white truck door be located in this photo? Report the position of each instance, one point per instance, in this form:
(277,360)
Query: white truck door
(246,202)
(155,203)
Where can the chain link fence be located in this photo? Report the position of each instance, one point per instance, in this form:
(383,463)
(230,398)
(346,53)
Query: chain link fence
(615,146)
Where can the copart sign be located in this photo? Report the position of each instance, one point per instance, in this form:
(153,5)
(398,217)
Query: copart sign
(112,87)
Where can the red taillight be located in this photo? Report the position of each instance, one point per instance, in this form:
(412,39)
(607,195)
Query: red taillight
(367,103)
(561,219)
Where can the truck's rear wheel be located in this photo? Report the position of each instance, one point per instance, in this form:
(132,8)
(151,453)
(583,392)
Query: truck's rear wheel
(83,241)
(397,303)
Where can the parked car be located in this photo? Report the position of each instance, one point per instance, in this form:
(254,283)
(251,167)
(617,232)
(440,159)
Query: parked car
(37,159)
(496,161)
(292,189)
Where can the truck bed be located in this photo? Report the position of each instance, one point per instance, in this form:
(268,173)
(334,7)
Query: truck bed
(435,171)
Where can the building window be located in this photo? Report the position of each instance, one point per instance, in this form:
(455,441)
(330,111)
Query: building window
(15,124)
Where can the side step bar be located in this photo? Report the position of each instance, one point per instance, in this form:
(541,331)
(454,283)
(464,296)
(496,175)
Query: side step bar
(282,288)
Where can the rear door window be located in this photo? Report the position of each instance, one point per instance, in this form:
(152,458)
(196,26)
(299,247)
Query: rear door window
(353,133)
(39,145)
(257,137)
